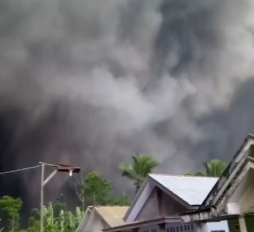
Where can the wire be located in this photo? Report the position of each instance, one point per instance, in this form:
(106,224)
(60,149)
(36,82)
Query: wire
(20,170)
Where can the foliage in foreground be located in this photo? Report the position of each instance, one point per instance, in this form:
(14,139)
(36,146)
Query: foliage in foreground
(64,221)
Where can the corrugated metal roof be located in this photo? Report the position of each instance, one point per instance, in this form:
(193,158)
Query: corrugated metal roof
(113,215)
(191,189)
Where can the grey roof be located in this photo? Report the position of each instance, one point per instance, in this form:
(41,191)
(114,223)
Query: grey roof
(191,189)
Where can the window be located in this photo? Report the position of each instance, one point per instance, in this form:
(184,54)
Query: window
(218,231)
(185,227)
(177,230)
(181,228)
(236,228)
(192,227)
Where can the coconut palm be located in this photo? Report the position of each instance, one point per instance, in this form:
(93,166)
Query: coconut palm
(214,168)
(139,168)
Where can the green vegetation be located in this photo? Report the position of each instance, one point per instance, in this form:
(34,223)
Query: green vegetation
(139,168)
(214,168)
(94,189)
(10,209)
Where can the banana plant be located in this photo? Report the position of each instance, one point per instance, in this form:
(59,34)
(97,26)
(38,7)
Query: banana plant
(64,221)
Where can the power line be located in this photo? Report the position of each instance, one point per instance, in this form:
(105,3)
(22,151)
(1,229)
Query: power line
(20,170)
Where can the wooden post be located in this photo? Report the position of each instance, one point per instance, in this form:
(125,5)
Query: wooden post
(242,223)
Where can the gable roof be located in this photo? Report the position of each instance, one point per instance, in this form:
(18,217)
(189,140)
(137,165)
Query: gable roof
(214,203)
(188,190)
(193,190)
(111,215)
(241,154)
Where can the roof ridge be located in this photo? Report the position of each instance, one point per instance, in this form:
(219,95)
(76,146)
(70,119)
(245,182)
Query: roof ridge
(176,175)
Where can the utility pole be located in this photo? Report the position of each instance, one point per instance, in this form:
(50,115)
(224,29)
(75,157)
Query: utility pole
(42,196)
(57,168)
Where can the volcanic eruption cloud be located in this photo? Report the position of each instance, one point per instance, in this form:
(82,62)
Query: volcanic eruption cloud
(92,82)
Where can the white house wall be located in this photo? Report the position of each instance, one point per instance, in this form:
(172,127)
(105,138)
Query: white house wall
(180,227)
(192,227)
(247,200)
(221,226)
(242,199)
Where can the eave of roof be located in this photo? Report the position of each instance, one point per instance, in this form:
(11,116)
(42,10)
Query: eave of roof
(173,195)
(188,190)
(138,224)
(154,181)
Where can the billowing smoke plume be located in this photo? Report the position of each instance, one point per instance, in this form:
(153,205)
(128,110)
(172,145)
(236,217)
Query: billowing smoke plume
(92,82)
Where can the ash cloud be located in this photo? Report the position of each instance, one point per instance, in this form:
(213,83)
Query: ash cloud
(92,82)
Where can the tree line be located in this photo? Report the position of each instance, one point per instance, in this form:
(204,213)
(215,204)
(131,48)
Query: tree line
(94,189)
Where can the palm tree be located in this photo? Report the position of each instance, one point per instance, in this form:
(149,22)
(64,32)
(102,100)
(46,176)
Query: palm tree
(139,168)
(214,168)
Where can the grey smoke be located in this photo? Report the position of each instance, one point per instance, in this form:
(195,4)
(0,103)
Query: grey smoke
(91,82)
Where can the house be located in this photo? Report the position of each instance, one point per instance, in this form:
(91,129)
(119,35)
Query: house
(231,198)
(97,218)
(161,199)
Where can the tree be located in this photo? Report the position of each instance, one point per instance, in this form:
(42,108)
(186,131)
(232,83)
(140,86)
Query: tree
(214,168)
(138,170)
(93,190)
(96,190)
(11,207)
(79,187)
(122,200)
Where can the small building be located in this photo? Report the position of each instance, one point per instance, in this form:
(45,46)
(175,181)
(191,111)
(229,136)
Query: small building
(232,197)
(97,218)
(170,203)
(162,198)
